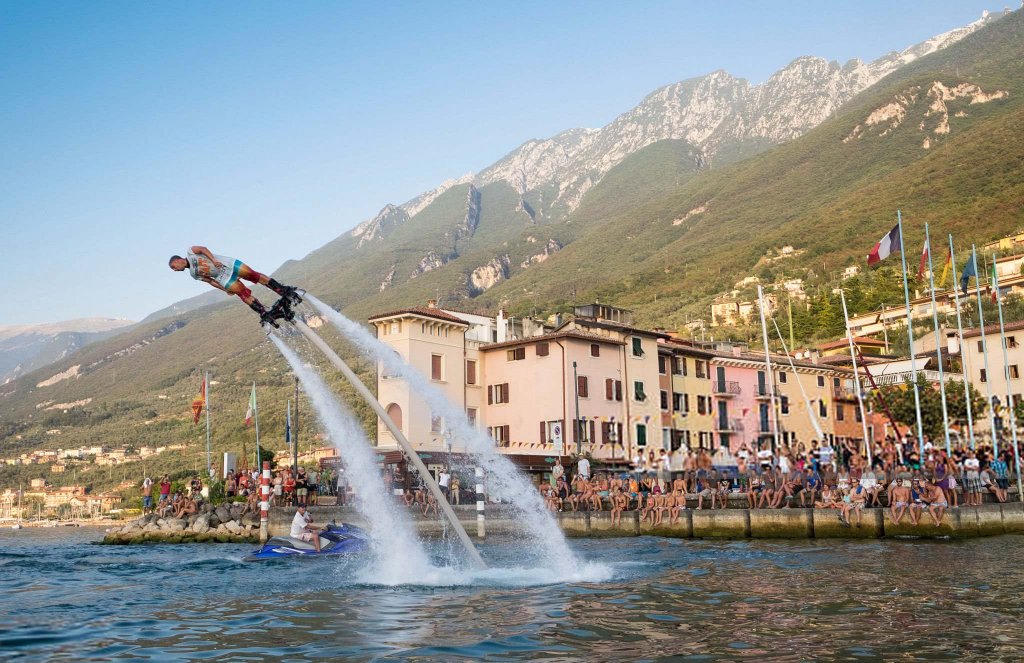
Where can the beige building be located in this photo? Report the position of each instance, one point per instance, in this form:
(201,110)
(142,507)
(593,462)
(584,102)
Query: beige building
(690,419)
(993,379)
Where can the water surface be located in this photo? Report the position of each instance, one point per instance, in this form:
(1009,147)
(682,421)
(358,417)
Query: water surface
(62,598)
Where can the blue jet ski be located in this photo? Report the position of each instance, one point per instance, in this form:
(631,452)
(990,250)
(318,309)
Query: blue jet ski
(334,540)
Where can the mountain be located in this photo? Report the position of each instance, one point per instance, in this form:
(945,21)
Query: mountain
(24,348)
(661,230)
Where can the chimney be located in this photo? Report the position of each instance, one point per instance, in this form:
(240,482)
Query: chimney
(431,303)
(736,351)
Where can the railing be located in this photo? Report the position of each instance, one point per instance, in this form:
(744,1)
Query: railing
(728,426)
(905,376)
(761,391)
(726,387)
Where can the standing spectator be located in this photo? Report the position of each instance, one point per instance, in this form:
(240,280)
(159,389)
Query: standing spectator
(314,487)
(972,479)
(456,487)
(557,472)
(583,467)
(289,488)
(165,489)
(826,454)
(196,487)
(444,480)
(229,486)
(302,487)
(1002,474)
(147,495)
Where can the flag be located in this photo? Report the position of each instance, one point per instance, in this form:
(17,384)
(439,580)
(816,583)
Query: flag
(924,261)
(890,243)
(945,270)
(965,277)
(995,282)
(199,402)
(252,406)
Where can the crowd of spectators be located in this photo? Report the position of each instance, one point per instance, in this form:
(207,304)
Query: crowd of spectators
(662,484)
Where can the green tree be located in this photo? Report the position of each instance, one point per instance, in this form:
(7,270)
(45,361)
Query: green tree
(900,399)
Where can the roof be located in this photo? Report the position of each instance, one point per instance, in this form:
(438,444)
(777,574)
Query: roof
(582,336)
(994,329)
(683,345)
(859,340)
(617,326)
(424,311)
(781,361)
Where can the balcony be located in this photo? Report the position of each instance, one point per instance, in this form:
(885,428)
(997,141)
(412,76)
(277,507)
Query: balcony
(725,388)
(889,379)
(728,425)
(761,392)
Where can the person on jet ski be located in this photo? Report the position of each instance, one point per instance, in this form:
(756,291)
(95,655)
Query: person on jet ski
(225,273)
(302,528)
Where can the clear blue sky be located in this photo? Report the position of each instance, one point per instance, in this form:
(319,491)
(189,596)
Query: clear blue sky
(132,130)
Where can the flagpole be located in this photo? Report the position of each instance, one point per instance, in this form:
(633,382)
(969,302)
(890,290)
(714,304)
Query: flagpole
(803,394)
(963,353)
(1009,392)
(768,367)
(856,377)
(256,418)
(910,333)
(984,355)
(938,341)
(206,379)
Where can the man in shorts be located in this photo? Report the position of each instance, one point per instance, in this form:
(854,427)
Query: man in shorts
(147,495)
(303,529)
(225,273)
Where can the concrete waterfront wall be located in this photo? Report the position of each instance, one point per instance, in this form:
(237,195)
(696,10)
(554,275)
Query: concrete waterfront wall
(500,519)
(965,522)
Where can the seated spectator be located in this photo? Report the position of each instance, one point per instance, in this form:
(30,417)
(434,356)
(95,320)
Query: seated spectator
(936,501)
(899,500)
(619,504)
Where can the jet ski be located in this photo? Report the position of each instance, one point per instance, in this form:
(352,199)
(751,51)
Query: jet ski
(334,540)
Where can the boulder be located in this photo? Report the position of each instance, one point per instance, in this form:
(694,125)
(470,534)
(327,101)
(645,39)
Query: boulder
(222,528)
(223,513)
(251,520)
(151,527)
(192,518)
(214,521)
(160,522)
(236,510)
(206,508)
(202,524)
(233,527)
(174,525)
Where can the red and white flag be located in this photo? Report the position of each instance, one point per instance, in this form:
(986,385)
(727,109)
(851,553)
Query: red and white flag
(924,261)
(890,243)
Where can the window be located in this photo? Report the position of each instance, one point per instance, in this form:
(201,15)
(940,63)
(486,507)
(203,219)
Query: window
(782,377)
(822,409)
(1014,372)
(703,405)
(595,350)
(984,376)
(641,435)
(835,383)
(677,402)
(583,431)
(638,391)
(396,327)
(470,371)
(436,367)
(856,415)
(517,354)
(613,390)
(784,404)
(1011,341)
(821,380)
(840,412)
(981,347)
(638,347)
(611,432)
(551,432)
(543,350)
(662,365)
(583,386)
(701,369)
(664,399)
(436,424)
(678,366)
(471,416)
(500,434)
(497,393)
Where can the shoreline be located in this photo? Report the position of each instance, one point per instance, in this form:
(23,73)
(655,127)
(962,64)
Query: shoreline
(730,523)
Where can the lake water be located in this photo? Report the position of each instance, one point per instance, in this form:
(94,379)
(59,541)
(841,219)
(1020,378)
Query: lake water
(62,598)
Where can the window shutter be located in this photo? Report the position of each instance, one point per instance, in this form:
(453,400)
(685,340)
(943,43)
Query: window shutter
(609,389)
(618,390)
(508,435)
(490,394)
(504,392)
(604,432)
(591,437)
(543,432)
(581,386)
(470,372)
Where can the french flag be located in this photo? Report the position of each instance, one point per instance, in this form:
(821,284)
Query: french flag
(890,243)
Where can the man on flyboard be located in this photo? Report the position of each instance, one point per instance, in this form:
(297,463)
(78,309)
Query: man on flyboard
(226,274)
